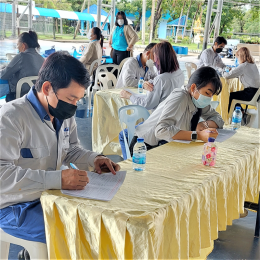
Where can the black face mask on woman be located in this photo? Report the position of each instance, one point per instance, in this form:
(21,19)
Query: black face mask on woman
(63,110)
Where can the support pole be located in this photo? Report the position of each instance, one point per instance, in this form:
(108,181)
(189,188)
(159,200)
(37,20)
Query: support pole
(113,14)
(14,19)
(152,22)
(88,13)
(99,13)
(176,36)
(61,28)
(219,10)
(30,15)
(143,21)
(207,25)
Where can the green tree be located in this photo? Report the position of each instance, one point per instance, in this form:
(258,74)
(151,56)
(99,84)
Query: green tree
(252,22)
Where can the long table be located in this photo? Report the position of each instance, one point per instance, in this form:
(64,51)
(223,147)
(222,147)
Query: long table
(172,210)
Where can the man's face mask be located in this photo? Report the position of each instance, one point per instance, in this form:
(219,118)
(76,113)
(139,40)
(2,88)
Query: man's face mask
(219,50)
(63,110)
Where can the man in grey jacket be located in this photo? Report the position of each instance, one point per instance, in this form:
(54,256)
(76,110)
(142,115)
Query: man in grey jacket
(38,135)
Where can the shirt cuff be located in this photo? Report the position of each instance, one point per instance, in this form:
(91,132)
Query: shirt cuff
(133,98)
(53,180)
(92,158)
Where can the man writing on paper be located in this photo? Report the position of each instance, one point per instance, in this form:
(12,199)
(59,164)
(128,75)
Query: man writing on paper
(38,134)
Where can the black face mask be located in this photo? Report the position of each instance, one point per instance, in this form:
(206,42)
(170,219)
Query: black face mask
(219,50)
(63,110)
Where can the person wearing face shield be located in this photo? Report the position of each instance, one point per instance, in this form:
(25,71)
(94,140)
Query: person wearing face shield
(25,64)
(38,135)
(177,117)
(122,39)
(210,57)
(94,49)
(135,68)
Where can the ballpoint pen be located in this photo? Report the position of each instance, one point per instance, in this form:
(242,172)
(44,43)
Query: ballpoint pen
(73,166)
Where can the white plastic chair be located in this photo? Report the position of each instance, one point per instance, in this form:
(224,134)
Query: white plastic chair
(101,68)
(28,80)
(121,66)
(36,250)
(10,56)
(190,66)
(253,102)
(107,80)
(138,112)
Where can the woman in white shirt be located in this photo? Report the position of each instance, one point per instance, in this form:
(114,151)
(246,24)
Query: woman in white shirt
(94,49)
(170,77)
(248,74)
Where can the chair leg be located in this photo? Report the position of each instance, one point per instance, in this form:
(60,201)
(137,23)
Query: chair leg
(4,250)
(257,227)
(258,116)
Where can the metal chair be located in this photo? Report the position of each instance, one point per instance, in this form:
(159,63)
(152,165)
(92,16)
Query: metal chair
(254,102)
(36,250)
(28,80)
(190,66)
(130,120)
(107,80)
(10,56)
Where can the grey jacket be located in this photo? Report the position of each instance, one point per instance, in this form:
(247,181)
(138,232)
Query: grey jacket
(31,155)
(24,64)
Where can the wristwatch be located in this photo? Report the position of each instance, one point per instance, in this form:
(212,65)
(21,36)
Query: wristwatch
(194,136)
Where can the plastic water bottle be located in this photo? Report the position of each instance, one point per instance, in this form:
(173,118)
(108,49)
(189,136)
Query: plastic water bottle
(236,118)
(236,62)
(227,69)
(139,155)
(140,85)
(209,153)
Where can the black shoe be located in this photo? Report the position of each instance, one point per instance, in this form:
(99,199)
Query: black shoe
(23,255)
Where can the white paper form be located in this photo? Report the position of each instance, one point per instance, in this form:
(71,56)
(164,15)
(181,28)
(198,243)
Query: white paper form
(224,134)
(134,93)
(100,187)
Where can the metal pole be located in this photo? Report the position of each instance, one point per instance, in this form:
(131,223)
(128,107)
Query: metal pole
(177,32)
(88,13)
(61,29)
(99,13)
(220,5)
(143,21)
(152,22)
(14,19)
(113,14)
(207,25)
(30,15)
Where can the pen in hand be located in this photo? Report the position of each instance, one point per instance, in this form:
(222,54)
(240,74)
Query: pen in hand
(73,166)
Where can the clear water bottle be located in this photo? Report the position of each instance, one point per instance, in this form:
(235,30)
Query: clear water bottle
(139,155)
(209,153)
(236,118)
(236,62)
(227,69)
(140,85)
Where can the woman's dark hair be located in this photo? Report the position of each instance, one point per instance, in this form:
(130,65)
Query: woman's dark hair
(149,46)
(30,39)
(167,57)
(203,76)
(124,17)
(60,69)
(100,37)
(220,40)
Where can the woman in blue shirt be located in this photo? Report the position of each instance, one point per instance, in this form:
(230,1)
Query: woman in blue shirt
(122,39)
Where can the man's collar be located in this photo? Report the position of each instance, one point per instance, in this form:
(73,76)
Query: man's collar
(138,57)
(32,98)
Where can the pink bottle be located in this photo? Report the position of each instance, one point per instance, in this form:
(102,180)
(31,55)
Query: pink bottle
(209,152)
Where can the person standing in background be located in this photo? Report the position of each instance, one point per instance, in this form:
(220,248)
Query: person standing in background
(122,39)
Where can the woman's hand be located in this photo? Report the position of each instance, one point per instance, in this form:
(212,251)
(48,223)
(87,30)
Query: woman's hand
(125,94)
(148,86)
(110,44)
(129,48)
(201,126)
(206,133)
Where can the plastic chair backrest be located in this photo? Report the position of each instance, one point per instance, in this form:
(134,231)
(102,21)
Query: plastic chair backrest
(106,79)
(214,104)
(10,56)
(95,64)
(130,120)
(255,98)
(189,67)
(104,68)
(28,80)
(121,65)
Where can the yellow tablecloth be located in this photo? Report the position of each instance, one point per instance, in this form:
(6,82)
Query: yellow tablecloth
(105,121)
(172,210)
(228,86)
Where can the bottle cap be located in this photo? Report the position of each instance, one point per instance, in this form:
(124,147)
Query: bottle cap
(239,108)
(142,78)
(211,140)
(140,140)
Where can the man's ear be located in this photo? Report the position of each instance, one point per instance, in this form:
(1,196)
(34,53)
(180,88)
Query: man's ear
(46,88)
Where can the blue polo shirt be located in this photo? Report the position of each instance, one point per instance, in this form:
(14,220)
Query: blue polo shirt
(119,42)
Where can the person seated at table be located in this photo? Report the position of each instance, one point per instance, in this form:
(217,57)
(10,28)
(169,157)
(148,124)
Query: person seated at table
(94,49)
(248,74)
(210,57)
(177,117)
(38,134)
(25,64)
(170,77)
(135,68)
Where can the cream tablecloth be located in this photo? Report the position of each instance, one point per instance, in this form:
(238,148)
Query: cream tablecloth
(172,210)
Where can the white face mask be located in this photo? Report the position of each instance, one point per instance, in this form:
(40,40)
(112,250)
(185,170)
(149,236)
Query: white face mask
(149,63)
(89,35)
(120,22)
